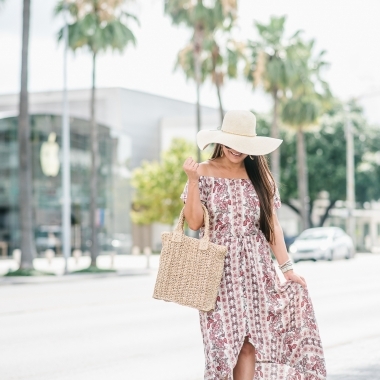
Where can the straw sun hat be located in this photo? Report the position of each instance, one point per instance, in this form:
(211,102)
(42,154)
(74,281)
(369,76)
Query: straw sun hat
(238,132)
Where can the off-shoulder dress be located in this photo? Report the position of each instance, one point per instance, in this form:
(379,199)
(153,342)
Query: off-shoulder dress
(278,318)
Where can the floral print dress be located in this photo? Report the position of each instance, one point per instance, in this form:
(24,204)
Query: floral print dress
(277,318)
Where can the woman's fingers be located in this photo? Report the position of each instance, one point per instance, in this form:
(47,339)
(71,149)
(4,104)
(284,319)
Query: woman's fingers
(291,276)
(298,279)
(191,168)
(302,282)
(190,164)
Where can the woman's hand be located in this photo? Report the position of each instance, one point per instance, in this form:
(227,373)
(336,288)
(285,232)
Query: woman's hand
(291,275)
(191,169)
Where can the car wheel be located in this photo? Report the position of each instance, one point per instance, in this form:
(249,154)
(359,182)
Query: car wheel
(331,256)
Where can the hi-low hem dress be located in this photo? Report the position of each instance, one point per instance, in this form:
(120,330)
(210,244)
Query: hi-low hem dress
(277,318)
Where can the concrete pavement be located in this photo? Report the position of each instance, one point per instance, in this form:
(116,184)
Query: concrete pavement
(111,328)
(124,265)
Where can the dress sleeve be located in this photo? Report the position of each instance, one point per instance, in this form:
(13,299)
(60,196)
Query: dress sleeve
(276,198)
(203,191)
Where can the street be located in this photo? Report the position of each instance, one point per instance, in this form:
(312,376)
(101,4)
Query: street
(111,328)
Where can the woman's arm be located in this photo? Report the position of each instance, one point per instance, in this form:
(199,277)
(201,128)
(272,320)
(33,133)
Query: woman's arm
(279,250)
(193,206)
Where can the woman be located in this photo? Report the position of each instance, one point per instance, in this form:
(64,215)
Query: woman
(260,328)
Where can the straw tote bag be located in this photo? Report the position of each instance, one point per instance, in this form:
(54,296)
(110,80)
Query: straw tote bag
(190,269)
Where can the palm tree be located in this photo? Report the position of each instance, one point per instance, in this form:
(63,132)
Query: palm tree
(27,244)
(309,97)
(269,65)
(202,18)
(97,25)
(223,65)
(215,64)
(25,168)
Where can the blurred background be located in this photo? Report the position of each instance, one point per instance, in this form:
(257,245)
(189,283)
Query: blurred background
(100,103)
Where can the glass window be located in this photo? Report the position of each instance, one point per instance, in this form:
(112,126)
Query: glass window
(112,186)
(315,234)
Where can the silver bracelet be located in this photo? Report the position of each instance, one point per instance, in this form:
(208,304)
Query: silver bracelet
(288,265)
(285,263)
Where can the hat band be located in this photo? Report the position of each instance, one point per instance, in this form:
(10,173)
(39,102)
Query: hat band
(238,134)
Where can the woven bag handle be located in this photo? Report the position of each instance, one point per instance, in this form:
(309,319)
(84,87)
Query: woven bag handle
(178,232)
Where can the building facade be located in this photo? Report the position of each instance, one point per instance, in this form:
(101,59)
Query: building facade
(130,131)
(113,183)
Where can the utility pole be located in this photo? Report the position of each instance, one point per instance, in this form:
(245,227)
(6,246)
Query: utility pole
(350,166)
(350,174)
(66,198)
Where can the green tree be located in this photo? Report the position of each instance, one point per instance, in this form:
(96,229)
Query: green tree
(303,105)
(96,25)
(202,18)
(270,65)
(326,155)
(28,249)
(158,185)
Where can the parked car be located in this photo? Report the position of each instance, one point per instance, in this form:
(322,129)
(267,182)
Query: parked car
(122,243)
(118,242)
(289,240)
(323,243)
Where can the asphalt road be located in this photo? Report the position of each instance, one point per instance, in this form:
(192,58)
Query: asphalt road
(111,328)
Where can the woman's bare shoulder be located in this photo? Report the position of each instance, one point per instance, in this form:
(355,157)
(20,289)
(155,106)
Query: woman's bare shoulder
(205,168)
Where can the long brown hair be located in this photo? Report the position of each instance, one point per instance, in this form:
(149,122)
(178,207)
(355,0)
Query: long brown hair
(262,180)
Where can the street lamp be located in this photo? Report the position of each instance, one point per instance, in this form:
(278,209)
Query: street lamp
(350,174)
(66,198)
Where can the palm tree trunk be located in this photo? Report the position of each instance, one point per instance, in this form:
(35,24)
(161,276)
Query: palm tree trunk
(274,132)
(94,167)
(303,188)
(24,146)
(198,118)
(221,110)
(197,66)
(217,80)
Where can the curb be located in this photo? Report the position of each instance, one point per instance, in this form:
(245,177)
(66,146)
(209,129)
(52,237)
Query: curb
(71,277)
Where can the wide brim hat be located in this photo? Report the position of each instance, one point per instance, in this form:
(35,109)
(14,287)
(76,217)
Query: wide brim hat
(238,131)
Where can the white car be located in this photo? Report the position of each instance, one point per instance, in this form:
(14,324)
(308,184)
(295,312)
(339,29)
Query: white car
(323,243)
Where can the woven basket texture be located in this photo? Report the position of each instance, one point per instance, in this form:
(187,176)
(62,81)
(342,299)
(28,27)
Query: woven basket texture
(190,269)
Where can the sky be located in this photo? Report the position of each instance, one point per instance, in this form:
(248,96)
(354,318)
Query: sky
(348,29)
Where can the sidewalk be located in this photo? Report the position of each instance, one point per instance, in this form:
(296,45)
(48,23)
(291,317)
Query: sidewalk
(124,265)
